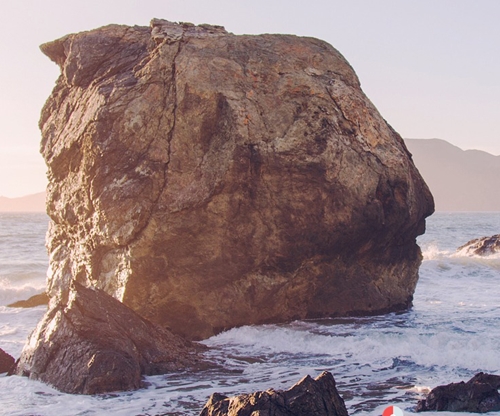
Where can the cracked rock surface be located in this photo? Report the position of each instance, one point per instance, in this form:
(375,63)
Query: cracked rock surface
(94,344)
(209,180)
(318,397)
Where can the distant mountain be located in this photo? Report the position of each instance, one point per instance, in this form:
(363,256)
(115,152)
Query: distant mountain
(460,180)
(29,203)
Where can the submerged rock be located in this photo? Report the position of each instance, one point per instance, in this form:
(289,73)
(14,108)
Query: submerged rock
(484,246)
(33,301)
(6,362)
(210,180)
(318,397)
(95,344)
(478,395)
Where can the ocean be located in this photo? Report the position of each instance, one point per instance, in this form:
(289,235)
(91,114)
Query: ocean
(451,333)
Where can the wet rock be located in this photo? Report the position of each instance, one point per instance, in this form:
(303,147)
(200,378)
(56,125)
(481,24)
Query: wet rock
(94,344)
(209,180)
(33,301)
(484,246)
(6,362)
(318,397)
(478,395)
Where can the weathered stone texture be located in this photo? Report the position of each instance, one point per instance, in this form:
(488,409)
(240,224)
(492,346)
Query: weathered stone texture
(318,397)
(478,395)
(210,180)
(484,246)
(94,344)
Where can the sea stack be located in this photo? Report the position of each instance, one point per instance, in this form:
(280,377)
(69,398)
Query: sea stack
(209,180)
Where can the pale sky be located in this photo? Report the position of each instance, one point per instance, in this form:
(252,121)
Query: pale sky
(431,67)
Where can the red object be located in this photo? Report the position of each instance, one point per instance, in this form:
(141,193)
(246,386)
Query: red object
(392,411)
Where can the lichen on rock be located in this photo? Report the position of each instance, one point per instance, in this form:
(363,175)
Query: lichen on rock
(209,180)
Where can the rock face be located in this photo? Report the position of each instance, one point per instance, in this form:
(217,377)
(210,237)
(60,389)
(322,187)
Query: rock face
(308,397)
(6,362)
(95,344)
(478,395)
(484,246)
(210,180)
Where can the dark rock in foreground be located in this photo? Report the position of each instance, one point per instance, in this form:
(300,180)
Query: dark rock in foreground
(308,397)
(94,344)
(484,246)
(478,395)
(209,180)
(36,300)
(6,362)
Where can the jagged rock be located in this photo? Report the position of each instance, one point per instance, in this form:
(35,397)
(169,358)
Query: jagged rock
(95,344)
(478,395)
(6,362)
(210,180)
(308,397)
(35,300)
(484,246)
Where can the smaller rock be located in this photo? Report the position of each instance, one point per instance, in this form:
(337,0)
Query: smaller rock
(92,343)
(6,362)
(308,397)
(36,300)
(478,395)
(484,246)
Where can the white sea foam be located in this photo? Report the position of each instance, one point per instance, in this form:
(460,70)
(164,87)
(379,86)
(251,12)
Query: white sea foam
(432,252)
(10,293)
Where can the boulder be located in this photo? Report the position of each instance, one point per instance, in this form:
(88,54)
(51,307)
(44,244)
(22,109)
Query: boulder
(318,397)
(209,180)
(94,344)
(35,300)
(478,395)
(484,246)
(6,362)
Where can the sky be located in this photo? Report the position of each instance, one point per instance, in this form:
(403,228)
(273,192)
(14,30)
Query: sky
(431,67)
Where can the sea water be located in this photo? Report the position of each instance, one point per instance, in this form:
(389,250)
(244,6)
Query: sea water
(451,333)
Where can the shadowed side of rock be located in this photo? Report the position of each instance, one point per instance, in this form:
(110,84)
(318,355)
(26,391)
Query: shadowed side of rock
(318,397)
(478,395)
(209,180)
(6,362)
(95,344)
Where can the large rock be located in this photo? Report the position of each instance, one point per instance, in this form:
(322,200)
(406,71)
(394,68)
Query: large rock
(210,180)
(308,397)
(484,246)
(478,395)
(95,344)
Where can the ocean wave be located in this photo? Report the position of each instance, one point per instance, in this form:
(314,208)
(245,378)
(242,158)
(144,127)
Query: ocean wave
(433,252)
(428,347)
